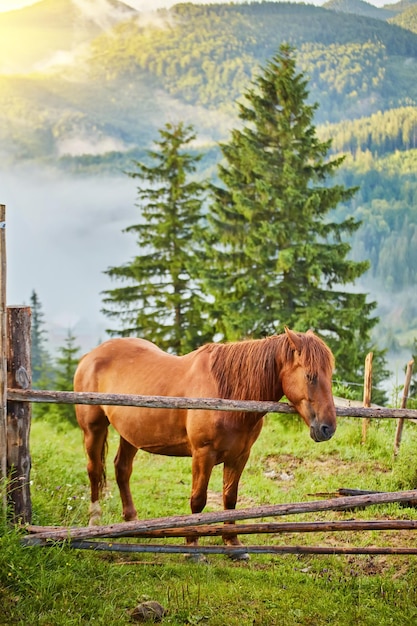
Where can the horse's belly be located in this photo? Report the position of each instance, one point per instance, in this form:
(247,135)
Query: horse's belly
(158,431)
(168,449)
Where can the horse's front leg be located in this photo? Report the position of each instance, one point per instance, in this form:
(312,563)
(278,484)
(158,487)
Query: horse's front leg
(123,469)
(202,466)
(231,475)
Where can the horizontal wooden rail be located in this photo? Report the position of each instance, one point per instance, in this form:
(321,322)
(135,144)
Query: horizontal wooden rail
(218,404)
(129,529)
(236,551)
(259,528)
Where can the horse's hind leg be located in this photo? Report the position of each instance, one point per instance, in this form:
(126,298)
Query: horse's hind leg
(94,423)
(231,476)
(123,469)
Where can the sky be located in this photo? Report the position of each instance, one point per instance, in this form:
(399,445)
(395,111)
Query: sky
(10,5)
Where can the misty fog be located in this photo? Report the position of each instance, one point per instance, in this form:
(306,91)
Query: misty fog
(61,235)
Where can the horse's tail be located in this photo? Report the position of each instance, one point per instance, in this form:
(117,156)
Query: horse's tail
(104,450)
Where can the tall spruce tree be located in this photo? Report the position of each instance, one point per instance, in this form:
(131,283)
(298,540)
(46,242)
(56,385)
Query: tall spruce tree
(66,364)
(277,257)
(40,357)
(38,333)
(161,300)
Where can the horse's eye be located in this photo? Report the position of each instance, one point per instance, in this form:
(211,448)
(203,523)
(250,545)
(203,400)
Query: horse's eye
(311,378)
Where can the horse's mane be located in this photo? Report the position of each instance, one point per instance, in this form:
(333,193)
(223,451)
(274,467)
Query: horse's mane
(316,355)
(248,370)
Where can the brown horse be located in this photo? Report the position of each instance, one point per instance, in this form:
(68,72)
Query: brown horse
(297,365)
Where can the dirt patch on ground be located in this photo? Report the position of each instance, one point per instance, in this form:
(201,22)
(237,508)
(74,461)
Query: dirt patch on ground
(215,501)
(282,466)
(371,565)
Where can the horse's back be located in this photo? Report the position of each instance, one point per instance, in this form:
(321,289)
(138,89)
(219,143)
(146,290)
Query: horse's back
(137,366)
(120,366)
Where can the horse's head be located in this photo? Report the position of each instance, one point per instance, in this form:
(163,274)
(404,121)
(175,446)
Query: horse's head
(306,379)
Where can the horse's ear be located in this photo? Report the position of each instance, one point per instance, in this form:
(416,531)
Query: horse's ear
(294,339)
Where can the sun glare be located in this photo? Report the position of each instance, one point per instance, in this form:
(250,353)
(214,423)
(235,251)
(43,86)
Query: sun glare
(11,5)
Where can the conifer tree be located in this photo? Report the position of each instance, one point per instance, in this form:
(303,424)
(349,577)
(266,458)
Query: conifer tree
(277,256)
(66,364)
(39,355)
(41,361)
(161,300)
(64,369)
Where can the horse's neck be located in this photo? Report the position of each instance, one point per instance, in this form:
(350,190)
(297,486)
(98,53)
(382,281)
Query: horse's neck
(247,370)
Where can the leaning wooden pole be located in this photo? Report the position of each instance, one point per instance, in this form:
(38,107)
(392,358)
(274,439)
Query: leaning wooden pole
(225,530)
(3,364)
(367,392)
(129,529)
(19,414)
(235,551)
(406,390)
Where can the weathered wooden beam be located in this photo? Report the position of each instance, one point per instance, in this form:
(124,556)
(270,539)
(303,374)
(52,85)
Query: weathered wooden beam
(3,364)
(367,392)
(233,551)
(406,390)
(218,404)
(259,528)
(127,529)
(19,414)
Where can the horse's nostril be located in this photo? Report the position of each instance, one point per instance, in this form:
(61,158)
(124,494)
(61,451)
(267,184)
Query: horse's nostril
(326,431)
(321,432)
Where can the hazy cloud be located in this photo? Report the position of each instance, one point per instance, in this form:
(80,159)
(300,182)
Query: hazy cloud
(61,234)
(101,12)
(76,146)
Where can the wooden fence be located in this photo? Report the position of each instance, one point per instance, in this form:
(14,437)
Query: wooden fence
(202,525)
(19,397)
(15,462)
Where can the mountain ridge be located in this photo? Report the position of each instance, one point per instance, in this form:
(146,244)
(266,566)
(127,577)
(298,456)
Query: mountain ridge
(360,7)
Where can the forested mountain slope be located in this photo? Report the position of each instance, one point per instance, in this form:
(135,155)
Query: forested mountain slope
(201,57)
(359,7)
(400,6)
(206,54)
(195,61)
(407,19)
(101,106)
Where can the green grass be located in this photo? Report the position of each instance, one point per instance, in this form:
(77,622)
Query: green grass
(62,586)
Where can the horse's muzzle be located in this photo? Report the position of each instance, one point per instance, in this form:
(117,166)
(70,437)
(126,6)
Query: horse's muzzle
(320,431)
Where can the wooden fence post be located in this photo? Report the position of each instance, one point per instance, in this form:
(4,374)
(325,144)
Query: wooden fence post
(3,365)
(406,390)
(19,375)
(367,392)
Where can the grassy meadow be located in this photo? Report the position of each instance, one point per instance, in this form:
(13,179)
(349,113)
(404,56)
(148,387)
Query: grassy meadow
(60,586)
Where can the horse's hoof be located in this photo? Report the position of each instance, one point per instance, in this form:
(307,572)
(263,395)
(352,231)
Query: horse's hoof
(95,513)
(196,557)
